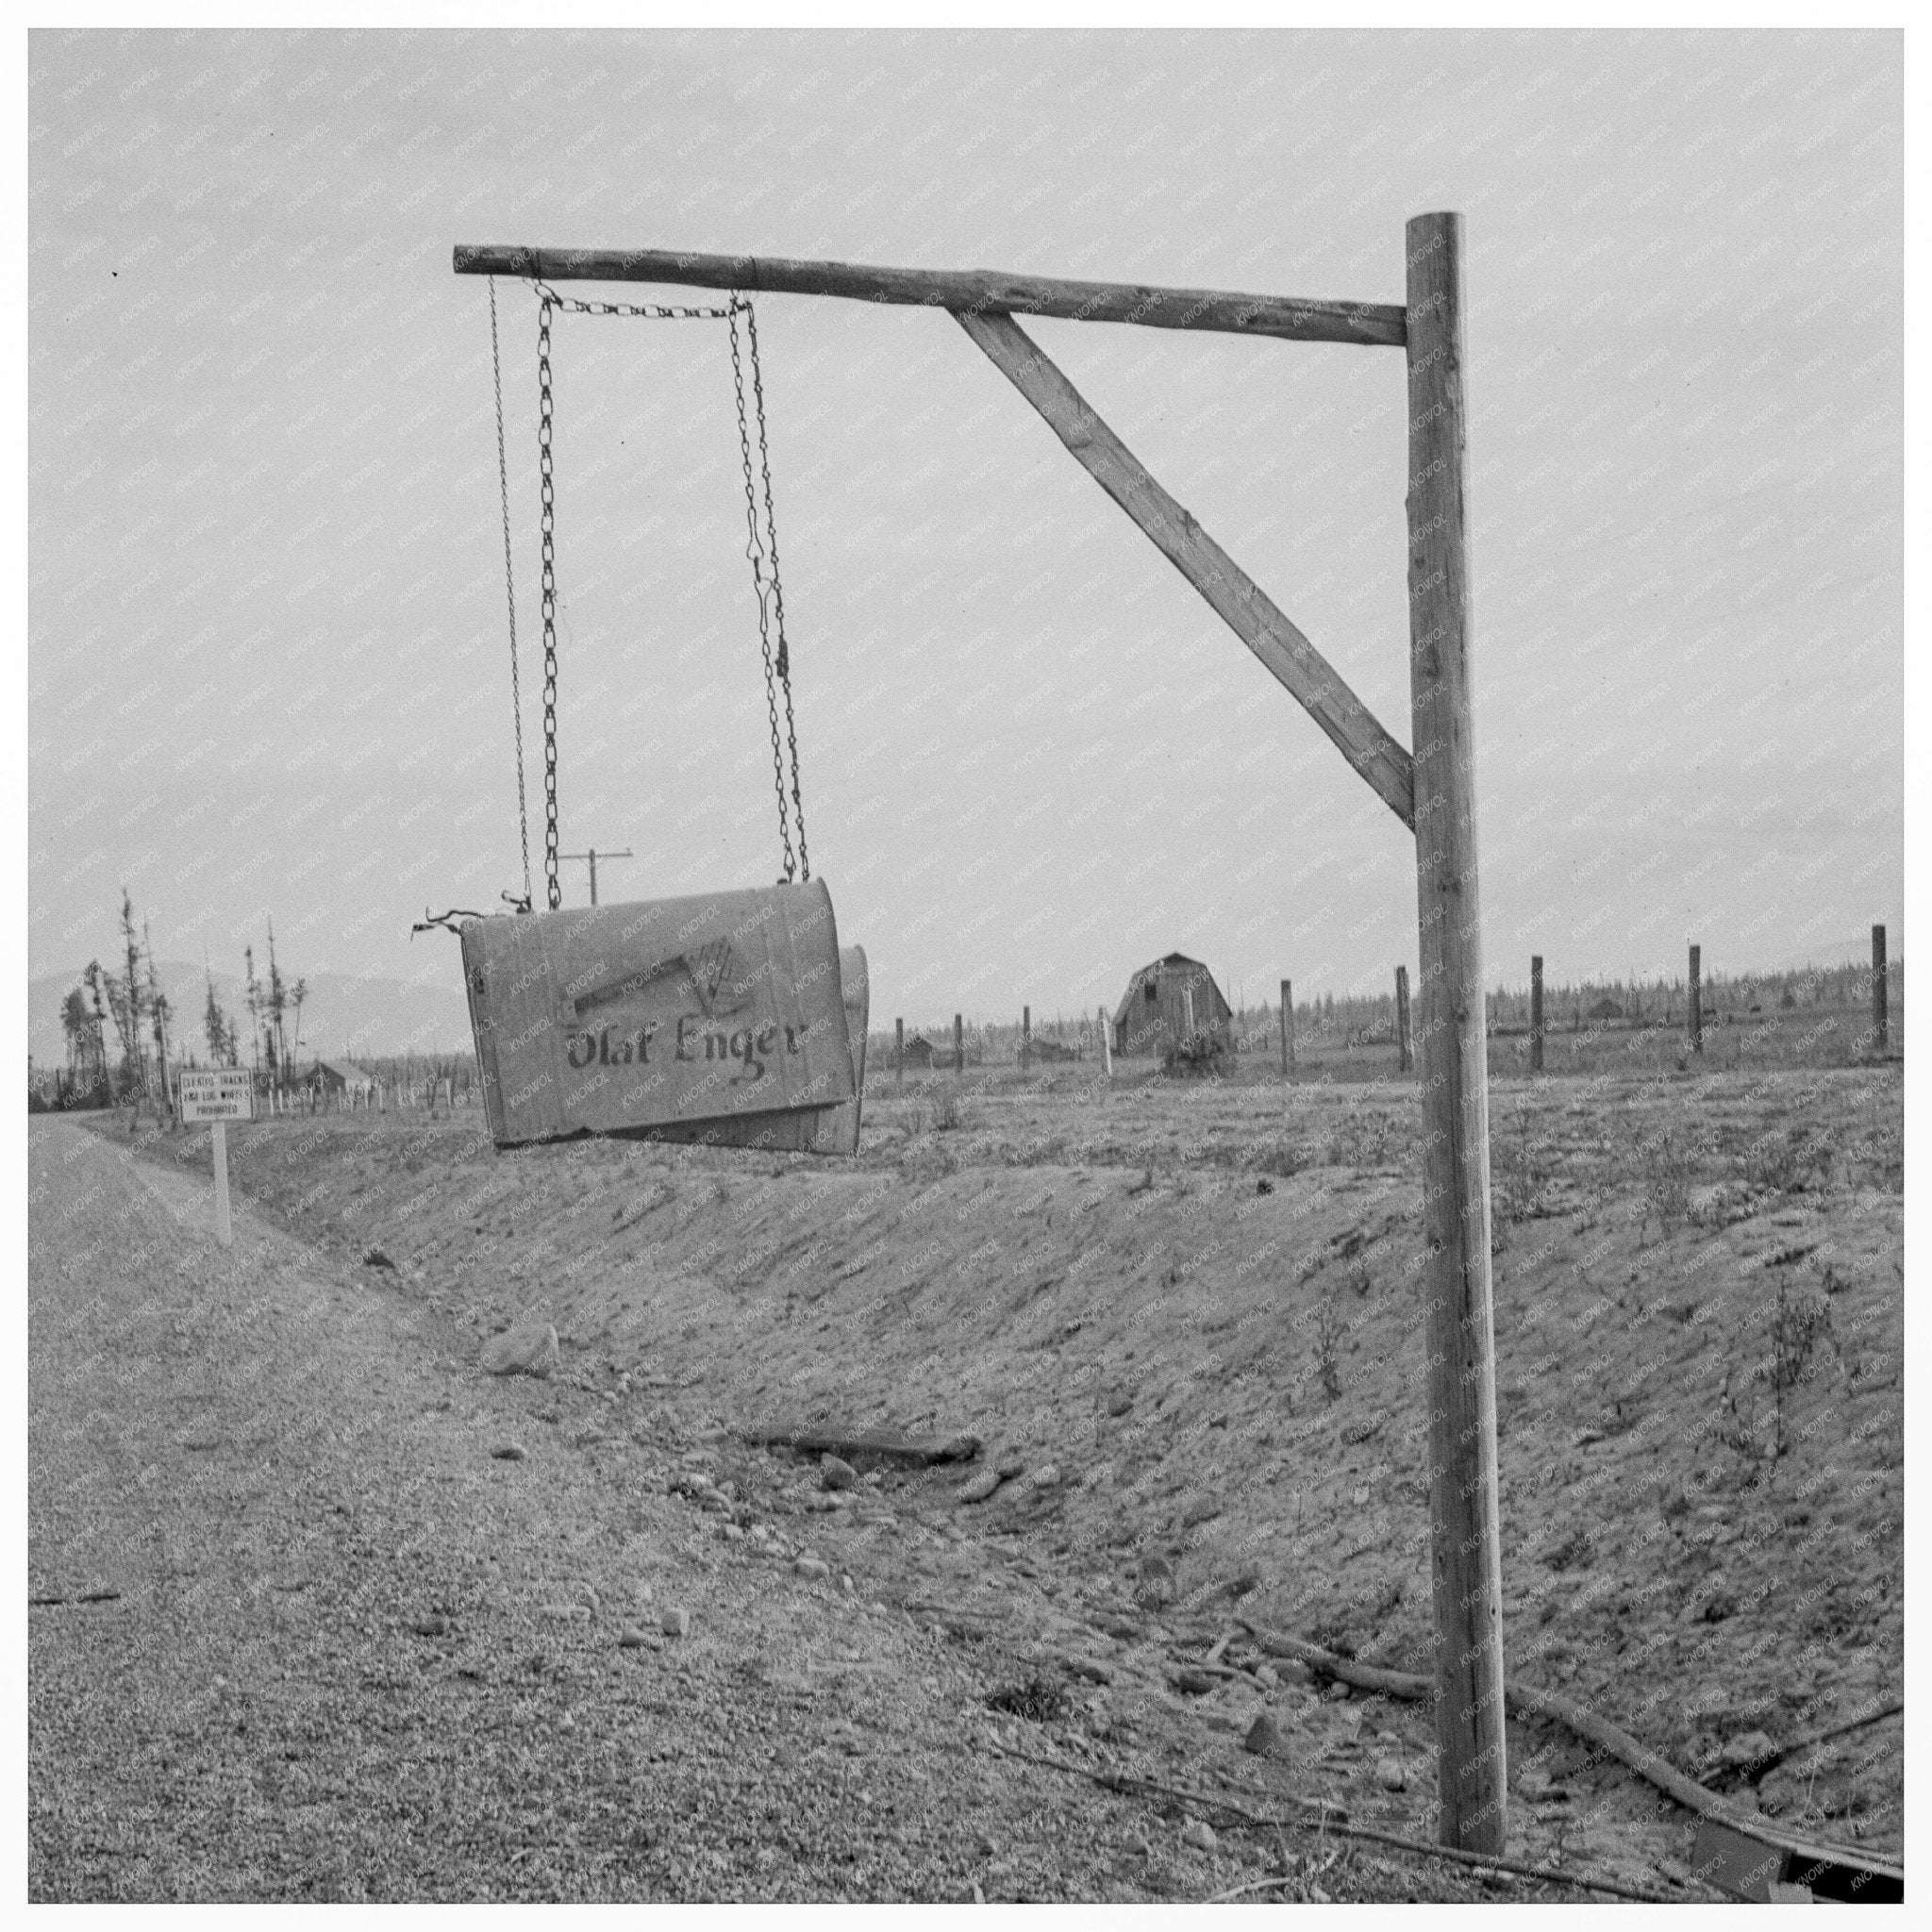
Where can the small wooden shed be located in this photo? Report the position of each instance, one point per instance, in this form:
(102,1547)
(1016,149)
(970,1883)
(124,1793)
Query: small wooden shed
(1166,1001)
(919,1052)
(343,1080)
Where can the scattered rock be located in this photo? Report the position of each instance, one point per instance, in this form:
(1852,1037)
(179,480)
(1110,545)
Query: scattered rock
(812,1570)
(835,1473)
(1119,1402)
(1196,1683)
(1337,1692)
(1045,1477)
(1090,1668)
(435,1625)
(675,1623)
(1264,1735)
(1267,1677)
(528,1349)
(1389,1774)
(1199,1834)
(631,1638)
(377,1258)
(508,1452)
(1747,1748)
(981,1487)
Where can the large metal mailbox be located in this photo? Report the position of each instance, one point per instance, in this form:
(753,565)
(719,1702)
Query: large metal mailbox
(722,1018)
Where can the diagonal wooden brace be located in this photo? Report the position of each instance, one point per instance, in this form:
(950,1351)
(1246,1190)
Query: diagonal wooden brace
(1249,612)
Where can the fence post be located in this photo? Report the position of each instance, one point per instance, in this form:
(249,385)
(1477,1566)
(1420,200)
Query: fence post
(1403,1059)
(1879,1028)
(1105,1042)
(1536,1012)
(1026,1037)
(1286,1029)
(899,1053)
(1471,1787)
(1696,1013)
(958,1044)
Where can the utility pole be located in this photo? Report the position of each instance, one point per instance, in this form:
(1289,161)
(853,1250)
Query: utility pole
(593,855)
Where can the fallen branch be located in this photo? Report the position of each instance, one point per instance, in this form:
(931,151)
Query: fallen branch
(1129,1785)
(1772,1759)
(1518,1700)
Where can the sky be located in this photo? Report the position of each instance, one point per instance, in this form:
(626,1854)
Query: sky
(269,660)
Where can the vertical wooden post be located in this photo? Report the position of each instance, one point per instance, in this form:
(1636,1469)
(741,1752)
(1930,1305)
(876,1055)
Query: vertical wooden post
(1467,1567)
(1286,1029)
(899,1053)
(1879,1028)
(1536,1012)
(1105,1042)
(224,1228)
(958,1044)
(1403,1059)
(1696,1018)
(1026,1037)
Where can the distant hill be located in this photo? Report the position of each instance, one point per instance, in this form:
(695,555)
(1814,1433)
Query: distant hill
(342,1015)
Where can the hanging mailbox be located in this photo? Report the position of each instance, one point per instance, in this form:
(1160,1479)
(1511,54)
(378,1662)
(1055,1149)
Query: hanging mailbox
(722,1017)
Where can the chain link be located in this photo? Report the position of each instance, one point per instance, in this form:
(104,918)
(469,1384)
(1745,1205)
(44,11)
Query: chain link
(762,549)
(755,553)
(509,579)
(545,411)
(758,384)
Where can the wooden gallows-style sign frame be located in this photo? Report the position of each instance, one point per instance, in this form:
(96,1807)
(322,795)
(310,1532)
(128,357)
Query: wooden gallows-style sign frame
(1431,791)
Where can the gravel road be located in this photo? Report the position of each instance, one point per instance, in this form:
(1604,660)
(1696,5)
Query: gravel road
(299,1633)
(301,1630)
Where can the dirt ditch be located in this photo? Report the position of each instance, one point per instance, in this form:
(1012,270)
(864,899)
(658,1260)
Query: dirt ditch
(1183,1319)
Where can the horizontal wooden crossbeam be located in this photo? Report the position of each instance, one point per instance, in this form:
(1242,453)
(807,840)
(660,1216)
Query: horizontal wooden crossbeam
(974,288)
(1302,671)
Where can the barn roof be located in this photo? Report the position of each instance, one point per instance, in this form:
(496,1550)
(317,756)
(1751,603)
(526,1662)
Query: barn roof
(347,1072)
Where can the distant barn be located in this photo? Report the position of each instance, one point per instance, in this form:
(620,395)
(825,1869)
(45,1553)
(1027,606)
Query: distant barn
(1167,1001)
(918,1051)
(343,1077)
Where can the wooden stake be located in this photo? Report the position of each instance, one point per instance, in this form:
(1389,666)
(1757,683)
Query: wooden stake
(958,1045)
(1467,1568)
(1403,1058)
(1879,1028)
(1536,1012)
(1105,1043)
(899,1054)
(1696,1018)
(1286,1029)
(224,1228)
(1026,1037)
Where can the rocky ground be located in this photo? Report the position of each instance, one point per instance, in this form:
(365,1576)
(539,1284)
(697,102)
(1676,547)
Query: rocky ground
(1179,1316)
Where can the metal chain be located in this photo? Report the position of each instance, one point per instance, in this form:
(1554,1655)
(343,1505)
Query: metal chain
(509,579)
(759,547)
(652,310)
(755,552)
(757,385)
(554,890)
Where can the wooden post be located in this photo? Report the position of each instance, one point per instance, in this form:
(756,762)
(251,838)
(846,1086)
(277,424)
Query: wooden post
(1105,1042)
(1536,1012)
(1286,1029)
(1461,1339)
(958,1045)
(899,1054)
(1026,1037)
(1697,1017)
(224,1228)
(1403,1058)
(1879,1030)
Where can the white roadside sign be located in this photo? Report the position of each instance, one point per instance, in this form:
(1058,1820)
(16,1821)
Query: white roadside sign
(218,1095)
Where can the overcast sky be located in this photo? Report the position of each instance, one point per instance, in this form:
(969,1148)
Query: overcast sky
(269,650)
